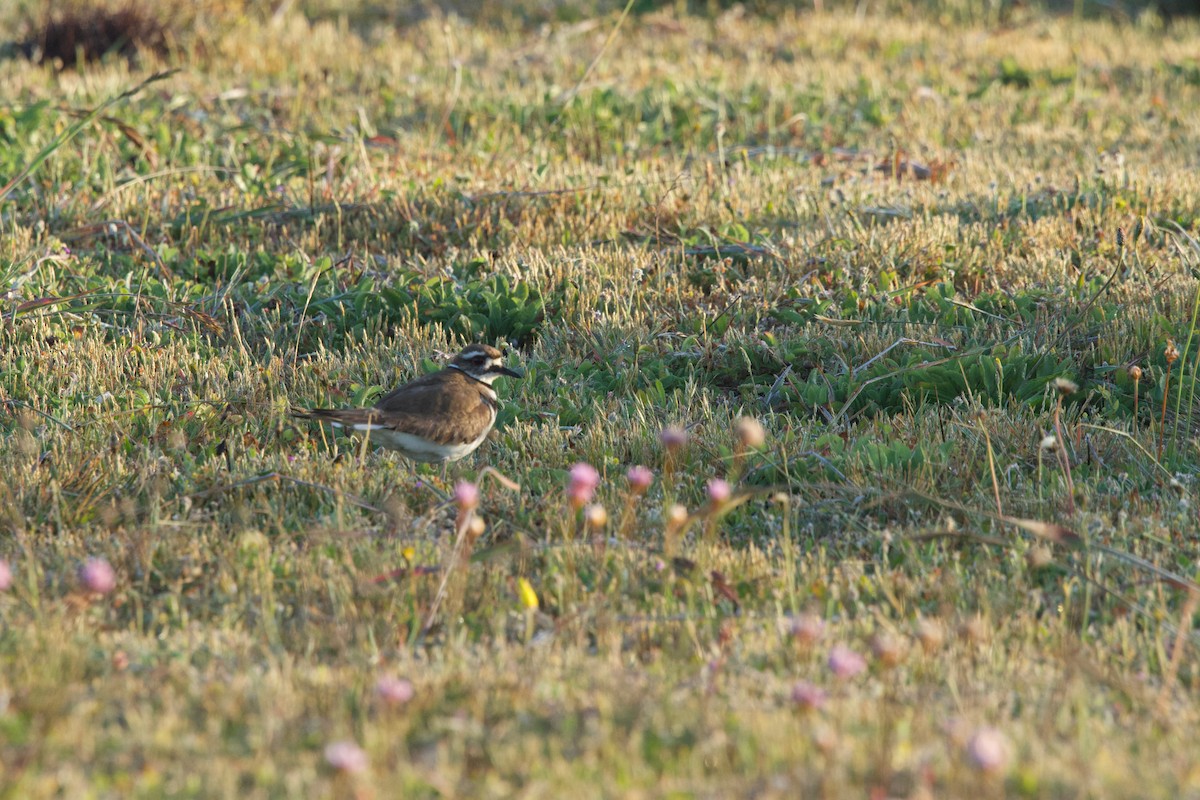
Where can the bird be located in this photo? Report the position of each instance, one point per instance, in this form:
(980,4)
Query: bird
(437,418)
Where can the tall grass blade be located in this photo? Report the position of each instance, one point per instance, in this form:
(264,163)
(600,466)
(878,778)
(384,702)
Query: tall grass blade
(71,130)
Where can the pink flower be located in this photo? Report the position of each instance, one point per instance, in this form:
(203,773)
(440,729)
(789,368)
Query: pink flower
(809,697)
(97,576)
(394,691)
(585,475)
(466,495)
(808,628)
(582,483)
(845,663)
(673,438)
(346,756)
(639,478)
(988,750)
(5,576)
(719,491)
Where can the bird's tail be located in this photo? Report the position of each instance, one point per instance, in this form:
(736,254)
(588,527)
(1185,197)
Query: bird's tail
(338,417)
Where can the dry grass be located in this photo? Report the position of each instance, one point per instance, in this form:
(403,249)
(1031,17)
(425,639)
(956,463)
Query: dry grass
(882,236)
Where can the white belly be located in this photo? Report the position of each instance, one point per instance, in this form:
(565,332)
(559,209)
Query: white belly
(416,448)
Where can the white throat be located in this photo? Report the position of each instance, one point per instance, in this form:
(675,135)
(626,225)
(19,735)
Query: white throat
(487,377)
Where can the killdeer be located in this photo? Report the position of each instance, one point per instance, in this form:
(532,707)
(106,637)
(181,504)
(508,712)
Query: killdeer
(437,418)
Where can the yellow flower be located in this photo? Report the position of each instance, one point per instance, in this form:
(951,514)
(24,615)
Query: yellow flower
(529,597)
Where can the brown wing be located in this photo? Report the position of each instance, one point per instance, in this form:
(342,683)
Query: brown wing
(435,406)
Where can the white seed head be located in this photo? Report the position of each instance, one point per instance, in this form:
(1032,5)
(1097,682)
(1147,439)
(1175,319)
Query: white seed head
(1066,385)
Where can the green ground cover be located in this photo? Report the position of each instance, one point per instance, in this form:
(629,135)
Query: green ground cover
(947,260)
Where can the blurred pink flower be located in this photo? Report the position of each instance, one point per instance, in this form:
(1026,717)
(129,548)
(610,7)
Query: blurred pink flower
(639,478)
(97,576)
(394,691)
(582,483)
(719,491)
(673,438)
(346,756)
(845,663)
(5,576)
(466,495)
(808,628)
(988,750)
(809,697)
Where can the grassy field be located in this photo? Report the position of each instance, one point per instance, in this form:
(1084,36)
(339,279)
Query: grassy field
(947,261)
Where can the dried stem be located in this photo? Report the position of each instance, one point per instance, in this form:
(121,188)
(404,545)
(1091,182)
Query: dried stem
(992,463)
(1162,424)
(1063,456)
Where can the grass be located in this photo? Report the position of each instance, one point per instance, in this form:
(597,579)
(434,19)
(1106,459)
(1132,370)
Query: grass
(884,238)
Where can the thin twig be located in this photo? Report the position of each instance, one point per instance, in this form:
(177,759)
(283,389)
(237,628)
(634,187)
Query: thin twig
(769,400)
(71,130)
(463,527)
(1185,633)
(587,73)
(1079,318)
(109,227)
(893,346)
(270,477)
(37,411)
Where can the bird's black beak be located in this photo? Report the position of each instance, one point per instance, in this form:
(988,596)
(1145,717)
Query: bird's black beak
(512,373)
